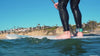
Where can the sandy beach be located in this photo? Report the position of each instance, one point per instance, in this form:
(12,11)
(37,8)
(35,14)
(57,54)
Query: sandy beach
(58,31)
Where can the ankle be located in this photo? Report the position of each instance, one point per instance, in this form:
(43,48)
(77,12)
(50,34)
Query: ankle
(80,33)
(79,30)
(66,31)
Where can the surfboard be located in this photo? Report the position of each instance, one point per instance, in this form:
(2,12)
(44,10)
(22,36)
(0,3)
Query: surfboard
(15,36)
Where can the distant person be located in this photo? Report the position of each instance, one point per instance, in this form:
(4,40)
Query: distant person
(61,6)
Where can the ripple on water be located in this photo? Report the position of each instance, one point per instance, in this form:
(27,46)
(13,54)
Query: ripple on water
(47,47)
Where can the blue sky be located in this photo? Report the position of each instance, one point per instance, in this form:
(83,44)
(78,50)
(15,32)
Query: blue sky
(29,13)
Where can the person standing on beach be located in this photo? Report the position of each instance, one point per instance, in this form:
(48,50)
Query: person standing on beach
(61,6)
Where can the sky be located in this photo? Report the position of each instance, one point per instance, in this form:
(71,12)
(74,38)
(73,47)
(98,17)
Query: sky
(29,13)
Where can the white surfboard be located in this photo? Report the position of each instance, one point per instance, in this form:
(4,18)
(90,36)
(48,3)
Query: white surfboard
(14,36)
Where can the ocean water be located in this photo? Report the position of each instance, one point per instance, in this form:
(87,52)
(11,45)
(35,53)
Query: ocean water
(47,47)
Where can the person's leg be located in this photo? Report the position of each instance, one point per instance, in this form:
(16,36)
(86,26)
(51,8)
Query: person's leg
(62,4)
(77,16)
(64,14)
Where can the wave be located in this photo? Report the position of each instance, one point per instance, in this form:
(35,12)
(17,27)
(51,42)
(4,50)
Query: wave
(74,47)
(15,36)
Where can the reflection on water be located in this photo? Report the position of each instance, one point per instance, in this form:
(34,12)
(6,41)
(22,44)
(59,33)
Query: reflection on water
(71,47)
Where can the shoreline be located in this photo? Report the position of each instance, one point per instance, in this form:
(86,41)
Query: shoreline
(55,32)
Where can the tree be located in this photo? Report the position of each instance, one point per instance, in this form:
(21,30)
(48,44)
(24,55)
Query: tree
(91,25)
(98,23)
(38,27)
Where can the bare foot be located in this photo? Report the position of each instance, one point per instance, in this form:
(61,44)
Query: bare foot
(65,35)
(79,34)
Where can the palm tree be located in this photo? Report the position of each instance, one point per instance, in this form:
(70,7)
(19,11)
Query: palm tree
(38,27)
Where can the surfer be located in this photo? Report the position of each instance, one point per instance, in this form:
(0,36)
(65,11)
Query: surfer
(61,6)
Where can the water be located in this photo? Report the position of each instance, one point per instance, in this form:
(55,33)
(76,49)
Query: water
(47,47)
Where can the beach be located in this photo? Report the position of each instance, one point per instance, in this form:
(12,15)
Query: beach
(56,32)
